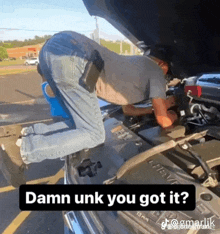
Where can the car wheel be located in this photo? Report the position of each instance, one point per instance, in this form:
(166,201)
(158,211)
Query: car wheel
(26,64)
(36,63)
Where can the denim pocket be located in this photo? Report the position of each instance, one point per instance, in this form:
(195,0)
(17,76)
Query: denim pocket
(66,63)
(67,70)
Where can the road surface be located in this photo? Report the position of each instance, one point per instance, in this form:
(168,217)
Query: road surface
(21,101)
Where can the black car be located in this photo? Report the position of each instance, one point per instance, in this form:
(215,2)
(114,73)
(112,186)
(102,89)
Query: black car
(183,34)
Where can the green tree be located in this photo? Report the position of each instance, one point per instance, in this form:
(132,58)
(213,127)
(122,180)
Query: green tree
(3,53)
(37,37)
(7,45)
(26,42)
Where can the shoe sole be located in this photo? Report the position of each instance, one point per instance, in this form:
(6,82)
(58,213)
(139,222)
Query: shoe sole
(9,170)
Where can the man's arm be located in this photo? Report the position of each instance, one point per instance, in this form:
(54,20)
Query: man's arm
(170,102)
(136,111)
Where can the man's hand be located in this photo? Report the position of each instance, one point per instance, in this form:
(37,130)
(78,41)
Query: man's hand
(164,118)
(49,91)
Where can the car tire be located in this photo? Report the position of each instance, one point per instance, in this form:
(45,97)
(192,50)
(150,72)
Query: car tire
(36,63)
(26,64)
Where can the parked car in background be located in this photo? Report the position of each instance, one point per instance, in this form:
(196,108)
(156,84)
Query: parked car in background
(31,61)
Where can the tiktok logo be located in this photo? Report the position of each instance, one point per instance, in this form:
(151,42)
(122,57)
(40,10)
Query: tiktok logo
(164,224)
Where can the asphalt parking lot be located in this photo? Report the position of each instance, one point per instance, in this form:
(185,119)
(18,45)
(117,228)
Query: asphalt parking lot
(21,101)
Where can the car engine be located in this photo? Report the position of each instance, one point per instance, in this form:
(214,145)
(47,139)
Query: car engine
(128,139)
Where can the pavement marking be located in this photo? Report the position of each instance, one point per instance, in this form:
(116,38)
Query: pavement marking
(15,224)
(37,181)
(23,215)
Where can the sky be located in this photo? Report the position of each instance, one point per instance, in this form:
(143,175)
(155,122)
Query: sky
(24,19)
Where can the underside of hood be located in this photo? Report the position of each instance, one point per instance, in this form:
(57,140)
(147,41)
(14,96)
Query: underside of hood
(184,33)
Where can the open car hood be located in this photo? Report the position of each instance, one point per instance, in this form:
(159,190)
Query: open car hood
(184,33)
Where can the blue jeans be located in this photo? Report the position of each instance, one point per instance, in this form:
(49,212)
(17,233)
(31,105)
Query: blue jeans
(62,64)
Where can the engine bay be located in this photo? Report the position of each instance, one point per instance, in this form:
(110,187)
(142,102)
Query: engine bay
(195,116)
(194,160)
(199,158)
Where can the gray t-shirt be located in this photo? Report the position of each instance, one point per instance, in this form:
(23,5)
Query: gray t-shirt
(124,79)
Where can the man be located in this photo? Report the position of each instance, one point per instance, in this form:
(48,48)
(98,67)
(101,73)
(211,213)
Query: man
(71,64)
(131,110)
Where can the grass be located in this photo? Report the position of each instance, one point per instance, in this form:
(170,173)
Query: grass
(115,46)
(12,62)
(16,71)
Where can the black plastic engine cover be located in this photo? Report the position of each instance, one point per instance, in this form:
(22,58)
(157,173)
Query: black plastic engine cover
(122,144)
